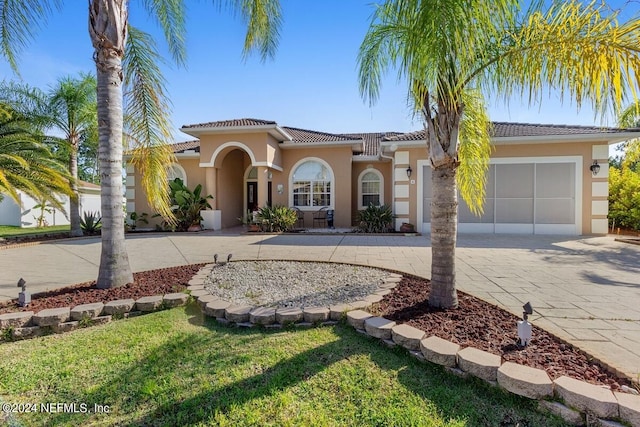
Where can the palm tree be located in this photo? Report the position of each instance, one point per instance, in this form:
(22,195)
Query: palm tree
(26,164)
(451,52)
(113,40)
(630,118)
(69,107)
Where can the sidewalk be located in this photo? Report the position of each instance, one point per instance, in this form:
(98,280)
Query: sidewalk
(585,290)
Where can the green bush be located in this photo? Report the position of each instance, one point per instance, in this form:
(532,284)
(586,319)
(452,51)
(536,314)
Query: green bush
(277,218)
(187,204)
(375,219)
(624,198)
(91,223)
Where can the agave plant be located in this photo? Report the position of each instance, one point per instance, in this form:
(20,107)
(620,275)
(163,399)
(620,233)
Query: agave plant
(91,223)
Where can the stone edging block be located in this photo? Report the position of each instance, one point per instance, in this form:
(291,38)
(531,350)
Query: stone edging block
(629,406)
(525,381)
(479,363)
(175,300)
(216,309)
(587,397)
(263,316)
(315,314)
(440,351)
(379,327)
(148,304)
(52,316)
(356,318)
(87,311)
(18,319)
(407,336)
(289,315)
(119,307)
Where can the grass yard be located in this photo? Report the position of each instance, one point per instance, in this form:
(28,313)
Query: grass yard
(15,231)
(174,368)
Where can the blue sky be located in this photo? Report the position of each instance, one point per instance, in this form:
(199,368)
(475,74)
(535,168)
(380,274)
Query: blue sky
(312,82)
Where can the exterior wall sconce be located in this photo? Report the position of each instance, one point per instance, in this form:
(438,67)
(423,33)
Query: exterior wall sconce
(409,170)
(594,168)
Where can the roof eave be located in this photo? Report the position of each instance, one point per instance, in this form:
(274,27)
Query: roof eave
(274,130)
(356,145)
(606,137)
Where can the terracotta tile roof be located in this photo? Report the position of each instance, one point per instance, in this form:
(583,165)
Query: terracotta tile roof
(305,135)
(181,147)
(510,130)
(231,123)
(372,140)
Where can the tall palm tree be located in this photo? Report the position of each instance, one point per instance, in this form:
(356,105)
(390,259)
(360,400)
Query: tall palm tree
(114,39)
(69,107)
(451,52)
(26,164)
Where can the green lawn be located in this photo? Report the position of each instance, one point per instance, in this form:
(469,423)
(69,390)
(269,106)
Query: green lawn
(14,231)
(174,368)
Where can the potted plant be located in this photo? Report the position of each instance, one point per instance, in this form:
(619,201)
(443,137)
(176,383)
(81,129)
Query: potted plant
(187,204)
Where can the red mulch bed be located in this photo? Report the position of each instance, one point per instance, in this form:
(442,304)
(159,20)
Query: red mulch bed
(487,327)
(146,283)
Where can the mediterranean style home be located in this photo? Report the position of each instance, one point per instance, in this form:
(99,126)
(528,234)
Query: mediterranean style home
(543,179)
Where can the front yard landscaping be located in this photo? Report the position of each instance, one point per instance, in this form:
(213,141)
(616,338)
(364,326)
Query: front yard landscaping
(175,368)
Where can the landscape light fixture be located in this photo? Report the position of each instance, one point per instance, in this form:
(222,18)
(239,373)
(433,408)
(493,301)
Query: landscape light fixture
(594,168)
(24,297)
(524,327)
(409,170)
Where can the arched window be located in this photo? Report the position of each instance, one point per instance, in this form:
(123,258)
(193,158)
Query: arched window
(312,184)
(370,188)
(176,171)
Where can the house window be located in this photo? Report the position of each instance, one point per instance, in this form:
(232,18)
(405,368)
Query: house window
(312,184)
(176,171)
(370,188)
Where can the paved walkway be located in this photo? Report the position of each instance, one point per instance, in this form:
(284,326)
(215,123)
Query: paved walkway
(585,290)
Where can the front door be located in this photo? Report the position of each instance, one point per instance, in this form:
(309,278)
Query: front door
(252,195)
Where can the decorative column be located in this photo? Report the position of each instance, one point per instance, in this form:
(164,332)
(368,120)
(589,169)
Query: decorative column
(211,219)
(210,185)
(263,186)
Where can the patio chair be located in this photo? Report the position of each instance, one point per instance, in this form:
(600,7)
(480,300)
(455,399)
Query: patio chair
(320,216)
(300,216)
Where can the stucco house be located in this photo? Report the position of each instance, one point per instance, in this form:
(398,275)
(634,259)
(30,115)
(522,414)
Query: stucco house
(543,179)
(25,214)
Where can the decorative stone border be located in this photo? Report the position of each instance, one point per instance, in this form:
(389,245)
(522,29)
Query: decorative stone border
(27,324)
(584,403)
(226,312)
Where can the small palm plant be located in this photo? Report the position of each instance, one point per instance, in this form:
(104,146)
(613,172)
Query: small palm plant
(91,223)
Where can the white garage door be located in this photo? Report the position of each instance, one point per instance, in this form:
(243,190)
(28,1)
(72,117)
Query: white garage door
(522,196)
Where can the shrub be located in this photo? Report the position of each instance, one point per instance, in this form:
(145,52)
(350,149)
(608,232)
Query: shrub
(187,204)
(624,198)
(135,218)
(91,223)
(375,219)
(277,218)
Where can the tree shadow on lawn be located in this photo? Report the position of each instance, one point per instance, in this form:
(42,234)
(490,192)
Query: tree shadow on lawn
(469,400)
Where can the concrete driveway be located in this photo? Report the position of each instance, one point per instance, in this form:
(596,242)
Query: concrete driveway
(585,290)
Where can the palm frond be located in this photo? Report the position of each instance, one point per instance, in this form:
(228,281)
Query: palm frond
(263,19)
(475,151)
(19,21)
(170,16)
(580,50)
(147,110)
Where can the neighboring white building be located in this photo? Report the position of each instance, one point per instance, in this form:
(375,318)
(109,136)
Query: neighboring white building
(24,214)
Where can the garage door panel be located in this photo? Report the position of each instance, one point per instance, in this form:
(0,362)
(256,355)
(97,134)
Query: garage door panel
(555,180)
(514,181)
(555,211)
(514,211)
(465,215)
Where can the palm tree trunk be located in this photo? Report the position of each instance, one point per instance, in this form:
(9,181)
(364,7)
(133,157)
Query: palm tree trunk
(444,228)
(74,201)
(108,30)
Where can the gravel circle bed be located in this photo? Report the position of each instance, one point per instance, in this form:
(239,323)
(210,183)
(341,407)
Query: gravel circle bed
(292,283)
